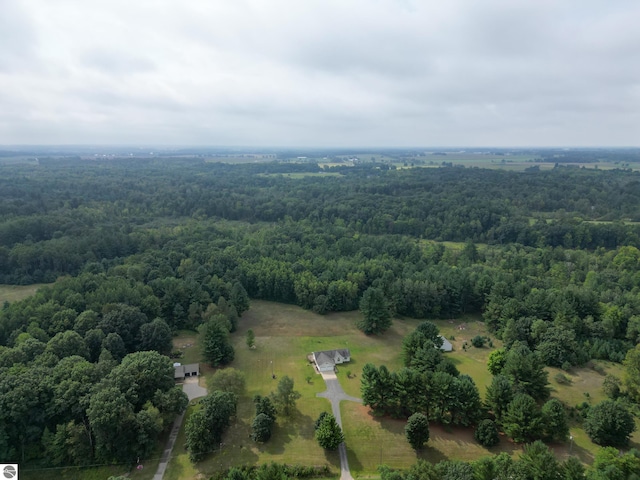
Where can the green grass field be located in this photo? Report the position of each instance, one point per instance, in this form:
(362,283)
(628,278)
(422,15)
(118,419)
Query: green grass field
(285,334)
(14,293)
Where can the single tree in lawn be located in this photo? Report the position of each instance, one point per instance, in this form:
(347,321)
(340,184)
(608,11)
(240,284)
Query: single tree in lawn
(609,423)
(328,433)
(375,312)
(250,339)
(417,430)
(227,380)
(261,428)
(264,405)
(284,398)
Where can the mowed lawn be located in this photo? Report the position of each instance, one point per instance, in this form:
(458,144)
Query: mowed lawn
(286,334)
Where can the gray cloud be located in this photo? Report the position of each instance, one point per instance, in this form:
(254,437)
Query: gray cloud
(320,72)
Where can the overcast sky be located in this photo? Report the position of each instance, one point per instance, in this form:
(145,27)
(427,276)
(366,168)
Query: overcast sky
(320,72)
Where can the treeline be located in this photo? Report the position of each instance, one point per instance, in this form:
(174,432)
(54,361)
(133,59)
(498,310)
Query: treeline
(58,216)
(84,372)
(536,461)
(568,305)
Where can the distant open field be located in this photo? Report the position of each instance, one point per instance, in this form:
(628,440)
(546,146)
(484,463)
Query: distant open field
(285,334)
(13,293)
(302,174)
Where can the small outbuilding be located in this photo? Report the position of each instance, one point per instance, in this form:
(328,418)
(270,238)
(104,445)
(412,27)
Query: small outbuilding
(327,360)
(180,372)
(446,345)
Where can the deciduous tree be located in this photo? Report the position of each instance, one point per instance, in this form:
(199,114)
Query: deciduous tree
(609,423)
(284,398)
(417,430)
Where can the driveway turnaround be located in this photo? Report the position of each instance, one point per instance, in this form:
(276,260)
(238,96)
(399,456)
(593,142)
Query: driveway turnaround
(193,390)
(335,394)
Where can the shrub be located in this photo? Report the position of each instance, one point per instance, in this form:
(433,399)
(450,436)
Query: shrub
(486,433)
(562,379)
(478,341)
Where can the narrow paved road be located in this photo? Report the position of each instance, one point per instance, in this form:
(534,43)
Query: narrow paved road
(193,390)
(335,394)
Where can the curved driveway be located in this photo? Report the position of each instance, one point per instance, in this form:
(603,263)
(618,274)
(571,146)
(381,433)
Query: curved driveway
(335,394)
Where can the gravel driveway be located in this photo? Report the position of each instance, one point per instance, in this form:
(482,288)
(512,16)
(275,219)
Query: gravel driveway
(193,390)
(335,394)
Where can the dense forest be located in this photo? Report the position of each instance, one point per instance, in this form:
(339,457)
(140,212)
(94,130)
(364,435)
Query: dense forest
(139,248)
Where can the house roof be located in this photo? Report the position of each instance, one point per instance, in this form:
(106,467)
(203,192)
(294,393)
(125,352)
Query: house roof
(329,356)
(180,370)
(446,344)
(344,352)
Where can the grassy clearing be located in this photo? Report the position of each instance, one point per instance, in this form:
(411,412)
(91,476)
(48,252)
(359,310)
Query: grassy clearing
(373,441)
(186,341)
(302,174)
(286,334)
(97,473)
(14,293)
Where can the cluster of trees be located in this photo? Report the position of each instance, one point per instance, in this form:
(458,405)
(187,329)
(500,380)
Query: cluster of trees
(140,249)
(429,383)
(282,401)
(430,388)
(205,426)
(71,411)
(84,372)
(536,461)
(569,304)
(273,471)
(264,420)
(56,218)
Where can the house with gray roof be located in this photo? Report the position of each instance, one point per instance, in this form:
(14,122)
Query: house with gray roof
(446,345)
(327,360)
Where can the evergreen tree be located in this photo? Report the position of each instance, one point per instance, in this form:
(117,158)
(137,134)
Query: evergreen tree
(261,428)
(217,350)
(523,420)
(375,312)
(329,434)
(264,405)
(250,339)
(526,372)
(239,298)
(555,420)
(539,462)
(499,395)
